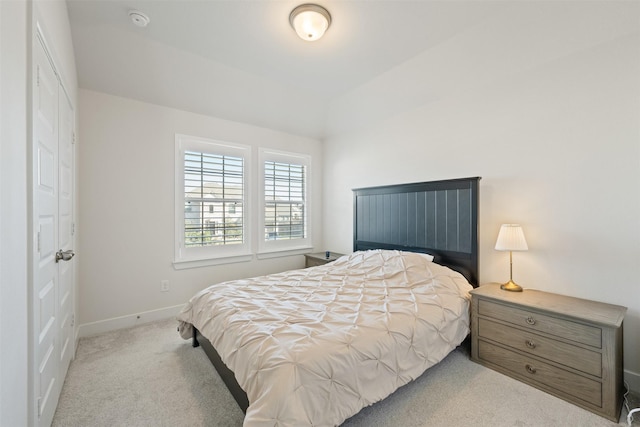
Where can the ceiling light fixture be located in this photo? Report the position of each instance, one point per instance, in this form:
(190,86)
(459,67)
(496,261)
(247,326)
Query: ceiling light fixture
(139,18)
(310,21)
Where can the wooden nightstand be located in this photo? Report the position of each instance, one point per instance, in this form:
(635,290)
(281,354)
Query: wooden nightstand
(568,347)
(319,258)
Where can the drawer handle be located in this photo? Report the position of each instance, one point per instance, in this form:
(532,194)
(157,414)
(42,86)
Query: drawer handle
(531,369)
(530,344)
(530,320)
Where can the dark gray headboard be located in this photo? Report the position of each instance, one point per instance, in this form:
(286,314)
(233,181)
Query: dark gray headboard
(437,217)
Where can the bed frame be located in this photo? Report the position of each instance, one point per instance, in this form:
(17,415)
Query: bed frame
(437,217)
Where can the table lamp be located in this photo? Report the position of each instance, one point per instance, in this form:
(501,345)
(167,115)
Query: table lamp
(511,238)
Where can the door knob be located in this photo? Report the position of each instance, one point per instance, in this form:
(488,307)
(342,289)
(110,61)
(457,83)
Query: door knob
(64,255)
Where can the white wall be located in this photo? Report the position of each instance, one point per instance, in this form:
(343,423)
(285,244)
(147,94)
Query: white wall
(544,104)
(127,207)
(13,208)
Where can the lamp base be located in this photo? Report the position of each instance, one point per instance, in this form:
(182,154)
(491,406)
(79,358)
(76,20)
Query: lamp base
(511,286)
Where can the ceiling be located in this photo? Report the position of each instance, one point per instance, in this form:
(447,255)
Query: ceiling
(240,60)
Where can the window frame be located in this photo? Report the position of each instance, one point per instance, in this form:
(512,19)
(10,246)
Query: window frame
(187,257)
(273,248)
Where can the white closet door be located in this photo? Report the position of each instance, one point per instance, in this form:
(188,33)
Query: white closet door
(65,232)
(53,272)
(46,367)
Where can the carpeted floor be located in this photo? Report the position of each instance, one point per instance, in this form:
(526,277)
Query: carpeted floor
(149,376)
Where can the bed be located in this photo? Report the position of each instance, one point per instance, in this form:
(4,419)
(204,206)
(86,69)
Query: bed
(316,345)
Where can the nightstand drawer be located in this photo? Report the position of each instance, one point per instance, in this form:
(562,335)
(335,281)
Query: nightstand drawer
(544,374)
(314,262)
(578,358)
(562,328)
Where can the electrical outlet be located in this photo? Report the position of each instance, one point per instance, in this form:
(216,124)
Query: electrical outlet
(164,286)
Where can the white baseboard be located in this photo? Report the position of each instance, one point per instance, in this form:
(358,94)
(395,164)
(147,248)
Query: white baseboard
(633,381)
(101,326)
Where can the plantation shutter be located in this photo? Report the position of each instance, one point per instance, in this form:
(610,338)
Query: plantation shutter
(285,201)
(213,199)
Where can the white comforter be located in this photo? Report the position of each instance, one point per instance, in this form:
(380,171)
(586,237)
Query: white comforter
(314,346)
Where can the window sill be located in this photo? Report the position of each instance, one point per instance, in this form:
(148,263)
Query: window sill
(206,262)
(284,252)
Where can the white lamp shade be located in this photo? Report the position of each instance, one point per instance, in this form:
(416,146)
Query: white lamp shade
(511,238)
(310,21)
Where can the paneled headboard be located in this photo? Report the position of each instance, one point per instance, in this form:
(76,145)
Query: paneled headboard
(437,217)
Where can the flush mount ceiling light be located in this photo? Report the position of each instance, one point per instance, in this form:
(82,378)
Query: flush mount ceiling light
(310,21)
(139,18)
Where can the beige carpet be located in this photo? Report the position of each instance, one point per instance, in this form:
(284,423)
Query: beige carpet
(149,376)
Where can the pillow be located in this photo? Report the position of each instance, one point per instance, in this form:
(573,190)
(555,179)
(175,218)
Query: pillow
(428,257)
